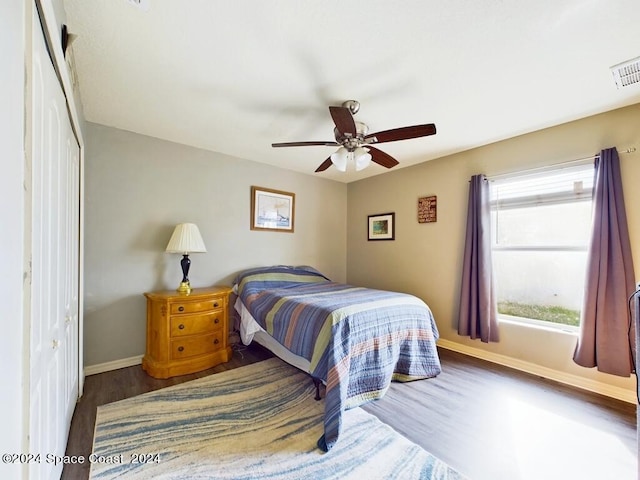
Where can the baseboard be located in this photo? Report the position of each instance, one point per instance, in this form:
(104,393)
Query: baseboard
(562,377)
(114,365)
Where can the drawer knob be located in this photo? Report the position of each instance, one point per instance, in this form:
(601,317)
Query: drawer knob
(216,320)
(181,309)
(180,349)
(181,326)
(216,341)
(215,304)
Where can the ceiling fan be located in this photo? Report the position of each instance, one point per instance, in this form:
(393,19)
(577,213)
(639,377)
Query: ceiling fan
(355,141)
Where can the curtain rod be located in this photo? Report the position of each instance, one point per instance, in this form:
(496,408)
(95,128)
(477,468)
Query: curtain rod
(555,165)
(597,155)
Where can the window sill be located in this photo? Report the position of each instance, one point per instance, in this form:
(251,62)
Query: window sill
(539,324)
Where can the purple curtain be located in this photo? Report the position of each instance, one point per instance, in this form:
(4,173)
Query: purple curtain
(606,332)
(478,316)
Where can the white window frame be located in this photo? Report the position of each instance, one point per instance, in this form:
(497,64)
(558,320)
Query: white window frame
(541,200)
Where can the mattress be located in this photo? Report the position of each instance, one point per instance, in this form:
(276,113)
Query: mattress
(251,331)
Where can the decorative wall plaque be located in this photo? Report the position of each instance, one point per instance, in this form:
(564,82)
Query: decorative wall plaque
(427,209)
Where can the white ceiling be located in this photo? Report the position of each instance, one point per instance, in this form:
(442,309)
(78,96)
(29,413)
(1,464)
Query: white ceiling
(235,76)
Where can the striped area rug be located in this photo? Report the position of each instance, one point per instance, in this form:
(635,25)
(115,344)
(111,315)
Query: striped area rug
(255,422)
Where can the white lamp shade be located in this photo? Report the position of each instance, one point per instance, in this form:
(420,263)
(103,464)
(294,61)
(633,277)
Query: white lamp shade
(339,159)
(363,158)
(186,238)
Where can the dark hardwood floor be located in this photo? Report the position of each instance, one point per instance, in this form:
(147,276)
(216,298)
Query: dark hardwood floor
(487,421)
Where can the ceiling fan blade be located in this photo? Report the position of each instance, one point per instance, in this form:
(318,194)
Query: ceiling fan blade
(403,133)
(382,158)
(344,121)
(305,144)
(324,165)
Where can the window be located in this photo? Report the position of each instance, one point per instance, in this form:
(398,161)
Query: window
(541,225)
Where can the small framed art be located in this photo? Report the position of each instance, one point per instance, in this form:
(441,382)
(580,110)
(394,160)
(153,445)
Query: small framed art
(381,226)
(427,209)
(272,209)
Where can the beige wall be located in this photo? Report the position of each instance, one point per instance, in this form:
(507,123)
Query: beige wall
(137,188)
(425,259)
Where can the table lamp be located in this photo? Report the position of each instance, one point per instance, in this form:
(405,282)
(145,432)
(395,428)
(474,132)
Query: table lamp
(185,239)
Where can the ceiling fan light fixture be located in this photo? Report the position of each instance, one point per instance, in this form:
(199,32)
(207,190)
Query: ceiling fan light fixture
(339,159)
(362,158)
(351,137)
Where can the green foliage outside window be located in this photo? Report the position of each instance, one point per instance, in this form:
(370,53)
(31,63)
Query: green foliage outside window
(545,313)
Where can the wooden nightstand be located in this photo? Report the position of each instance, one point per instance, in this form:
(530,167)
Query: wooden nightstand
(186,333)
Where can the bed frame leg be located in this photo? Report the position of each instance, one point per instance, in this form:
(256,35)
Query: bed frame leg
(316,382)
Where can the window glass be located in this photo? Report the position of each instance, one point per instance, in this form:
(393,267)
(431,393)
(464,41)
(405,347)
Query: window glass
(540,232)
(566,224)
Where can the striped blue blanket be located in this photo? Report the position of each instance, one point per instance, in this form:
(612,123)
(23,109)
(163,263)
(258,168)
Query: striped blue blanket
(357,339)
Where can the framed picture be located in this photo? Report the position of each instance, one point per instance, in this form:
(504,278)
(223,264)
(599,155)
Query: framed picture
(428,209)
(272,210)
(381,226)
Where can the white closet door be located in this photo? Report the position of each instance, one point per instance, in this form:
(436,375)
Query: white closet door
(55,246)
(71,299)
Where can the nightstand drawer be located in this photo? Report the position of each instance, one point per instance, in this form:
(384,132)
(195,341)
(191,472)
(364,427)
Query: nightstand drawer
(195,324)
(196,307)
(197,345)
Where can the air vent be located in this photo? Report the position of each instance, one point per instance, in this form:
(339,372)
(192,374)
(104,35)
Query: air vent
(627,73)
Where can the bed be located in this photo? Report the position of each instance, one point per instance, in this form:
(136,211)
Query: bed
(355,340)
